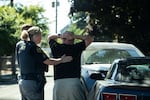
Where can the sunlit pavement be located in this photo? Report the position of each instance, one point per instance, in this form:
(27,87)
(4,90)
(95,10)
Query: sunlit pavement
(10,91)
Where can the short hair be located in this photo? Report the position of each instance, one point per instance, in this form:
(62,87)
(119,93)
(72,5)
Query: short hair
(34,30)
(26,26)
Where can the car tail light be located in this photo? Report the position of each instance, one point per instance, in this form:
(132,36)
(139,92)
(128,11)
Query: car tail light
(127,97)
(109,96)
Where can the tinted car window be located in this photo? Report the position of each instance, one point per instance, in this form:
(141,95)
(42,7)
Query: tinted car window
(135,73)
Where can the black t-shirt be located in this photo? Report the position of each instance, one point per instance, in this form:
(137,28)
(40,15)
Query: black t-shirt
(30,58)
(70,69)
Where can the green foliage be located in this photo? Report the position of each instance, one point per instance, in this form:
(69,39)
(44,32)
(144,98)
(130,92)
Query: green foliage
(128,20)
(75,29)
(11,20)
(78,24)
(34,15)
(8,26)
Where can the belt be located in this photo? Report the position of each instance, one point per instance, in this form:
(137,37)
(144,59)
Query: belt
(31,76)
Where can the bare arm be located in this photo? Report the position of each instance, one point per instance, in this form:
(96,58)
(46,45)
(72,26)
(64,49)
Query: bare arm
(53,61)
(87,38)
(53,36)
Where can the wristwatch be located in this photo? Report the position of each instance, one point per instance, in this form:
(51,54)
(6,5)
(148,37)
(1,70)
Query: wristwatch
(59,35)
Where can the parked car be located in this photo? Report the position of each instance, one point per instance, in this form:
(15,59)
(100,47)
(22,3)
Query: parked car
(98,57)
(127,79)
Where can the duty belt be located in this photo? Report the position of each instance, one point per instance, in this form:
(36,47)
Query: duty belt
(31,76)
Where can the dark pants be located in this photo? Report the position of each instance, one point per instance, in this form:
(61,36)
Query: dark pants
(30,90)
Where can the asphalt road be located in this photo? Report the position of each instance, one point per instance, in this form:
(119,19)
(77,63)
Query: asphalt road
(11,91)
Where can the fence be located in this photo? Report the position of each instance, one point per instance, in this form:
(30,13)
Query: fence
(7,66)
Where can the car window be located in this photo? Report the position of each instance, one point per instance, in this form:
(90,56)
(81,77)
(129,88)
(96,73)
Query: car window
(135,73)
(107,56)
(111,70)
(133,53)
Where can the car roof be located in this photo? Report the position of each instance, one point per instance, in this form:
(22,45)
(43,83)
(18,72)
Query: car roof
(99,45)
(113,45)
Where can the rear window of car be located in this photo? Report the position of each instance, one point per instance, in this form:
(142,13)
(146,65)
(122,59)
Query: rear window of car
(135,73)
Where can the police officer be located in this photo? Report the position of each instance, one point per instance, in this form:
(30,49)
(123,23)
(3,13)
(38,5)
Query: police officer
(33,62)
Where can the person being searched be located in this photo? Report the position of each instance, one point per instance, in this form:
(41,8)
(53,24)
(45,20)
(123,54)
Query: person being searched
(67,75)
(33,63)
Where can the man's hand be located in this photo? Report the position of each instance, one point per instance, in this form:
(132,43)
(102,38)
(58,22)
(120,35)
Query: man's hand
(56,61)
(65,59)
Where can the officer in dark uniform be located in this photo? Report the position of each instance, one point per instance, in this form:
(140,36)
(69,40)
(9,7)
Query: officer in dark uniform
(33,63)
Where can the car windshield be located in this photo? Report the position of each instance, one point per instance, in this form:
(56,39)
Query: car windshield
(107,56)
(135,73)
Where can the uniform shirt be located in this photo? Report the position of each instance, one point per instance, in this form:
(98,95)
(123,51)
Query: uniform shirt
(30,58)
(70,69)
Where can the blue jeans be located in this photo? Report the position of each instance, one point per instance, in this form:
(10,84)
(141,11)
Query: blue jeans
(29,90)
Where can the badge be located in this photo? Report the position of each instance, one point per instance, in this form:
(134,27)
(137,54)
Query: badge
(39,50)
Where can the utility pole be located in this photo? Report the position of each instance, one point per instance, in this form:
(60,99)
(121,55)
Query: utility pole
(56,4)
(11,3)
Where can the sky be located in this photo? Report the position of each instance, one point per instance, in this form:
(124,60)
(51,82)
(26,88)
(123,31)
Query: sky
(62,12)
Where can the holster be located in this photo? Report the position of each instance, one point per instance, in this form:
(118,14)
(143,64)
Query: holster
(45,68)
(41,81)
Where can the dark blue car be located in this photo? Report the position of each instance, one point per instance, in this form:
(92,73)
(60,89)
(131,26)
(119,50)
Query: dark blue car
(127,79)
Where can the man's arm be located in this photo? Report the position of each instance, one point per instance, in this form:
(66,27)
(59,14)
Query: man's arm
(53,61)
(53,36)
(87,38)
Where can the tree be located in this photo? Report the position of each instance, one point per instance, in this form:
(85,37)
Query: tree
(123,19)
(8,26)
(34,15)
(12,18)
(78,23)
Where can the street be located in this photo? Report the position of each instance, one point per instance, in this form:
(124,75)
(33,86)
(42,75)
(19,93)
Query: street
(11,91)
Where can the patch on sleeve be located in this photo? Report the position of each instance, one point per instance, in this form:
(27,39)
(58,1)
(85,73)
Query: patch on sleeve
(39,50)
(41,53)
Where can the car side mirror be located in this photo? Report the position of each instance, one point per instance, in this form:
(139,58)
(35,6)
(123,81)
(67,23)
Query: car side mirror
(97,76)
